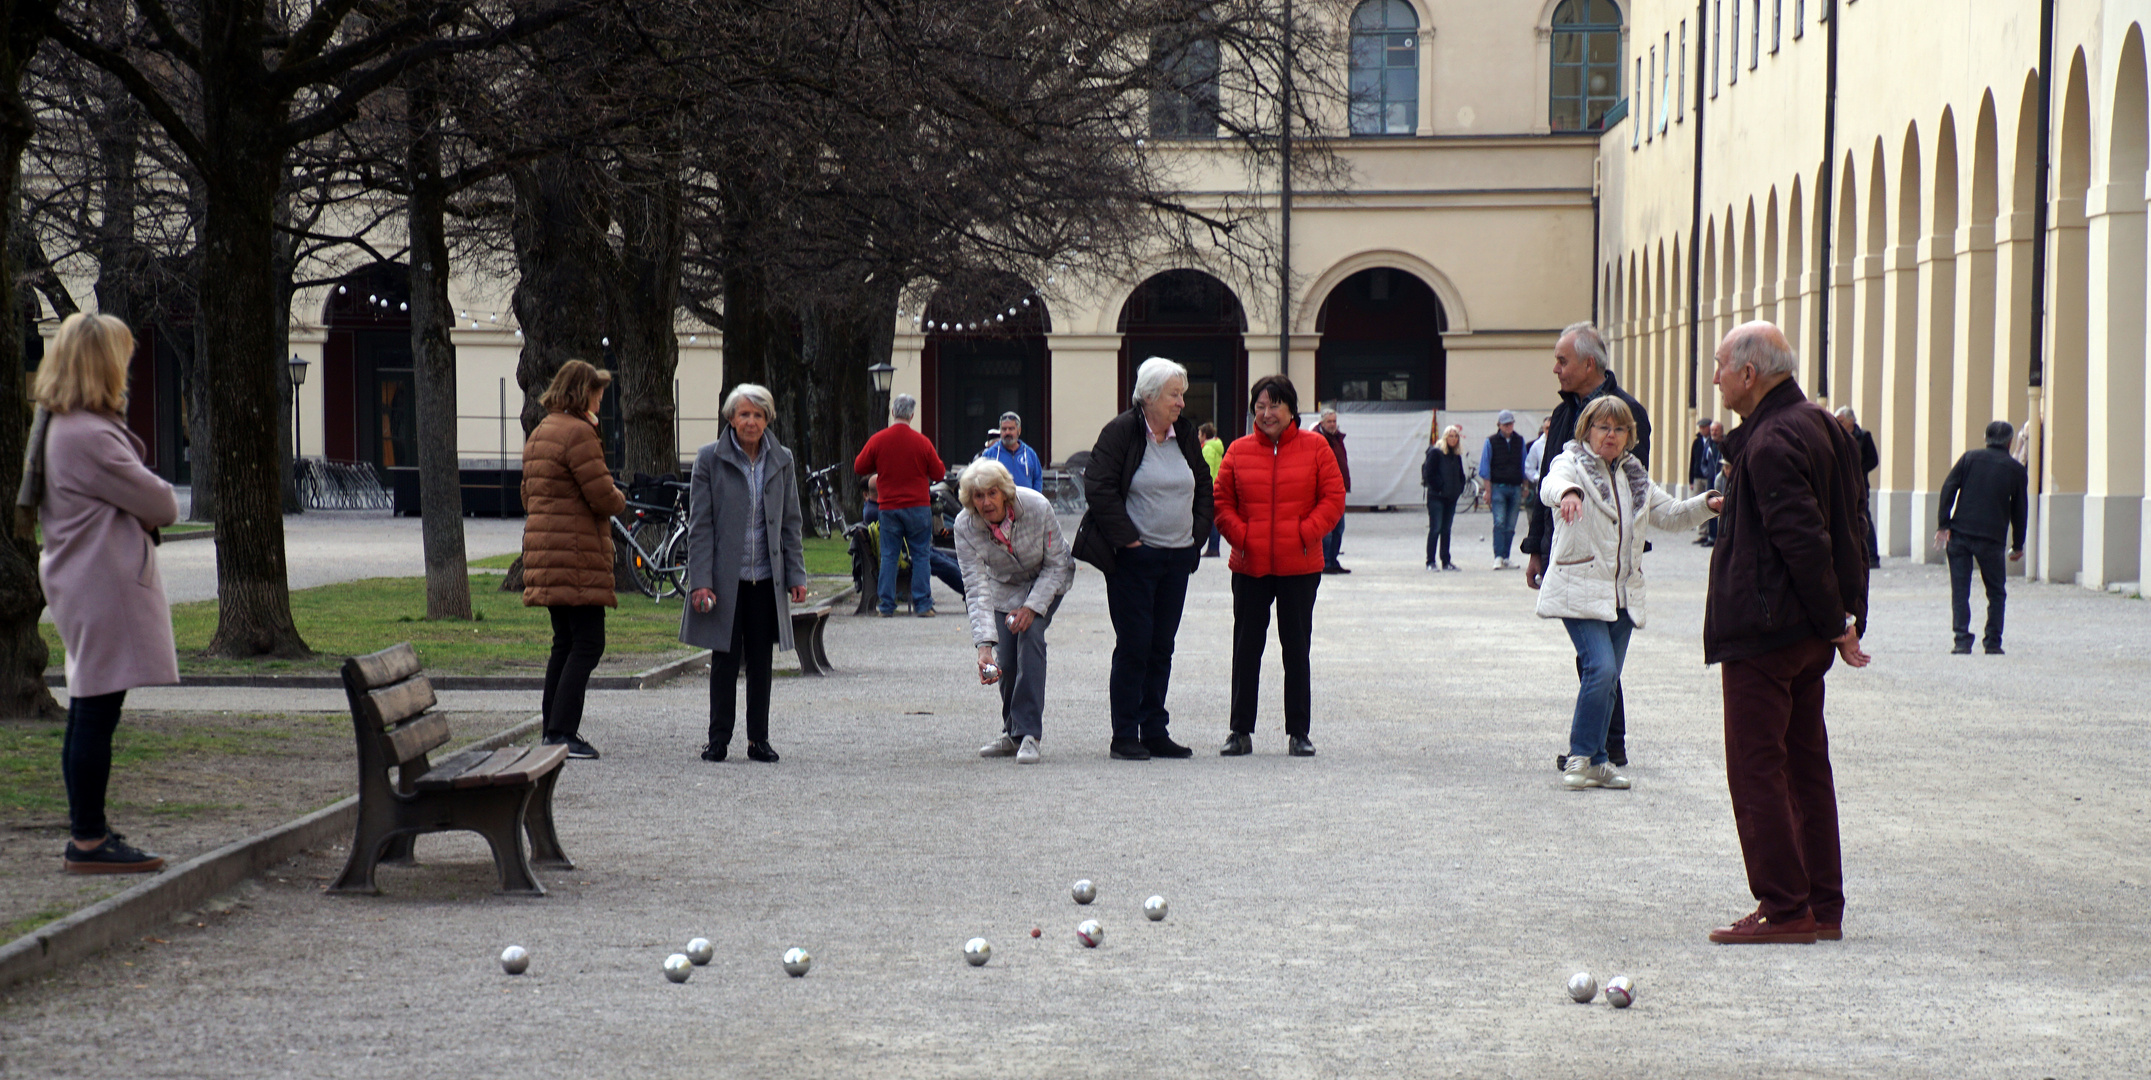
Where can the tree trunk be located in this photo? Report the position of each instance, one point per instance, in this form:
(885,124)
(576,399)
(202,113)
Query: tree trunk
(201,435)
(238,237)
(433,355)
(23,653)
(652,213)
(565,267)
(837,345)
(285,261)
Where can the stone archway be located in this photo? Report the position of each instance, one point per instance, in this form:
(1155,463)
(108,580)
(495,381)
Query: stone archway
(1190,317)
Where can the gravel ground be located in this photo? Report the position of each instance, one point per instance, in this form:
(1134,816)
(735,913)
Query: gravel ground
(1409,902)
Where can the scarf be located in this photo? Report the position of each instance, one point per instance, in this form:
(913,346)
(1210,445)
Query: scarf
(1639,478)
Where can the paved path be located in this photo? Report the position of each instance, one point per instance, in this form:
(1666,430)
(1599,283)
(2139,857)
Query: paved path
(327,546)
(1410,902)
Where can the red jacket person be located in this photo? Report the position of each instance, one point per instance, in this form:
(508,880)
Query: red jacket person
(1788,596)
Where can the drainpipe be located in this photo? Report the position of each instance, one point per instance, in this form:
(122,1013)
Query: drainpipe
(1695,218)
(1827,198)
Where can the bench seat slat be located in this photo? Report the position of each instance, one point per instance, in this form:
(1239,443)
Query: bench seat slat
(392,705)
(391,665)
(536,763)
(417,737)
(458,772)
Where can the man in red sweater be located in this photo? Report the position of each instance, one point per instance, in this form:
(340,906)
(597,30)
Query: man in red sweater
(905,467)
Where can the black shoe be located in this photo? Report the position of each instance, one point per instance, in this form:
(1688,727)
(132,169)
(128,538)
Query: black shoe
(1298,746)
(113,856)
(1961,650)
(1237,744)
(1561,762)
(1618,758)
(1340,570)
(715,751)
(576,747)
(1163,746)
(1451,566)
(1994,650)
(1130,750)
(759,750)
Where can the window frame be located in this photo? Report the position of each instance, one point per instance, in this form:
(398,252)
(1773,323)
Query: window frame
(1354,108)
(1189,104)
(1583,27)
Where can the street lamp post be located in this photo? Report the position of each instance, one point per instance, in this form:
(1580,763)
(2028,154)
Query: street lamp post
(297,364)
(883,374)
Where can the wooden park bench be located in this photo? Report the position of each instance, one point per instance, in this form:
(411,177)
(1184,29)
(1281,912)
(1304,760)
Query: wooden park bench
(807,627)
(498,794)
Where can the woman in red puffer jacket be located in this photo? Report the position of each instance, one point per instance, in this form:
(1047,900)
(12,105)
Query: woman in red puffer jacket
(1279,492)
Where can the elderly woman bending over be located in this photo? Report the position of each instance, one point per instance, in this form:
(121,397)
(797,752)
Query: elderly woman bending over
(1602,497)
(1016,568)
(1149,491)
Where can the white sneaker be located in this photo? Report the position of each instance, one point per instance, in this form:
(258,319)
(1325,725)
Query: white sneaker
(1001,747)
(1606,777)
(1027,754)
(1577,774)
(1501,564)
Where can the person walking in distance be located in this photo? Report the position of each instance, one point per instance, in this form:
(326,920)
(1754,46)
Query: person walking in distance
(1788,597)
(1213,452)
(1581,369)
(569,499)
(1333,544)
(1870,460)
(1501,465)
(1443,475)
(1703,472)
(1983,501)
(905,466)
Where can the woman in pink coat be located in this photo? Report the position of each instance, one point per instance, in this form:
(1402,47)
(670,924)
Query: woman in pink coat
(99,508)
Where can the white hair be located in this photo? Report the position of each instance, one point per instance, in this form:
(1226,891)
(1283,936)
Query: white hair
(1327,413)
(1150,379)
(1759,345)
(1590,344)
(1007,416)
(751,394)
(984,474)
(903,406)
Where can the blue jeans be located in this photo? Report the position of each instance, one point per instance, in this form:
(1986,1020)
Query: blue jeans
(1333,543)
(946,569)
(1145,594)
(1601,647)
(912,526)
(1503,503)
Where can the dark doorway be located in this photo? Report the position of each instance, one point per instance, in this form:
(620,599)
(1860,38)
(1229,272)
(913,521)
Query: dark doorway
(992,359)
(369,412)
(1192,318)
(1381,341)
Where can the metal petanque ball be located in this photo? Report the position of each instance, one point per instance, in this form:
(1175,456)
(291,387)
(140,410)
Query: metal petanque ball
(1083,891)
(976,952)
(1620,992)
(1582,986)
(678,967)
(700,951)
(514,960)
(1154,908)
(797,961)
(1090,933)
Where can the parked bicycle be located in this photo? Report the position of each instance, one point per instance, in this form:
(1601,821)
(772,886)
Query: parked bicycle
(653,536)
(826,510)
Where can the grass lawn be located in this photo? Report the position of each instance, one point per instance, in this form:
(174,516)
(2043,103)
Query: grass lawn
(830,556)
(30,783)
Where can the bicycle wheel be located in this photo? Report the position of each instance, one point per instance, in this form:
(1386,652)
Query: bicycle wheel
(641,565)
(672,561)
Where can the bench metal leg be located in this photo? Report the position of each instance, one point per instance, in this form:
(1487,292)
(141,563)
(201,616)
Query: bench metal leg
(369,843)
(500,821)
(821,652)
(538,822)
(806,641)
(401,850)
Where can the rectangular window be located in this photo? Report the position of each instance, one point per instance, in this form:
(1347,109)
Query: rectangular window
(1680,102)
(1650,102)
(1717,41)
(1635,123)
(1755,34)
(1733,71)
(1777,23)
(1799,18)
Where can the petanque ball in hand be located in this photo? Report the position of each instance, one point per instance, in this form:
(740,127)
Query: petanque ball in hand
(1090,933)
(514,960)
(1154,908)
(678,967)
(1083,891)
(700,951)
(1582,986)
(797,961)
(976,952)
(1620,992)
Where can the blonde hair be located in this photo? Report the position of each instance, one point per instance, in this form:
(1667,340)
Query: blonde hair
(1443,442)
(572,386)
(86,367)
(1612,410)
(983,474)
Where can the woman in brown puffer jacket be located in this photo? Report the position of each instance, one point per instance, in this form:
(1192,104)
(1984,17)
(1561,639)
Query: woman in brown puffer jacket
(569,498)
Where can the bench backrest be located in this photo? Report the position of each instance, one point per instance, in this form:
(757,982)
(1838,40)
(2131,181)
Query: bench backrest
(389,695)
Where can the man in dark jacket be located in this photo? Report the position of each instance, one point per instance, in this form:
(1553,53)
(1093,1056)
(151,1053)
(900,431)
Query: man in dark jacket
(1580,366)
(1501,465)
(1333,543)
(1869,461)
(1703,473)
(1983,501)
(1788,595)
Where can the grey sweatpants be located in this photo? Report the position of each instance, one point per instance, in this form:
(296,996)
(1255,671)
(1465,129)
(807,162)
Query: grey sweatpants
(1022,658)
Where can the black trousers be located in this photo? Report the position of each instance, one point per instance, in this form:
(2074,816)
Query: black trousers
(578,643)
(1441,518)
(86,761)
(1964,553)
(1294,595)
(754,640)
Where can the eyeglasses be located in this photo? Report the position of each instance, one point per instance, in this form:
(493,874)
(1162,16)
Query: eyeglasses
(1599,429)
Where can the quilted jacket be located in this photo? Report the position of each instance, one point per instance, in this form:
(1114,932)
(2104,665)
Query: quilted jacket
(1597,564)
(569,498)
(1276,500)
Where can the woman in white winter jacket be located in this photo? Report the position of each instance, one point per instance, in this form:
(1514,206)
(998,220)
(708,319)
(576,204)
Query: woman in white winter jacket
(1602,496)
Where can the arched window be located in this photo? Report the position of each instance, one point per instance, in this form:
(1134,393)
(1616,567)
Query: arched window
(1385,68)
(1586,63)
(1185,104)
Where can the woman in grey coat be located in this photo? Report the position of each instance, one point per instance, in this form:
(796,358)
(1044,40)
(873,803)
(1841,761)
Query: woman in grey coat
(743,558)
(1016,567)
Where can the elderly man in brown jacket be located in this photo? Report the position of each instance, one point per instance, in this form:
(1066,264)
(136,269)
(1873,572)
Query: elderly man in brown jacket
(1788,596)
